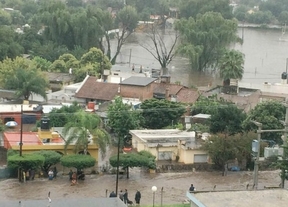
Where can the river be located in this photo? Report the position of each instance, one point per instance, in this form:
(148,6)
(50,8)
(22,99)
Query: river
(265,58)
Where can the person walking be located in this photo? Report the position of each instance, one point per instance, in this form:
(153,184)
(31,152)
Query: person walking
(137,197)
(125,197)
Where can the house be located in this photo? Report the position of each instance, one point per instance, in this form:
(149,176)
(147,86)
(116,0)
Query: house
(66,95)
(45,139)
(58,80)
(98,92)
(170,144)
(137,87)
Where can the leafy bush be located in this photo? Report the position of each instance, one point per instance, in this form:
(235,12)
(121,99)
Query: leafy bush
(78,161)
(26,161)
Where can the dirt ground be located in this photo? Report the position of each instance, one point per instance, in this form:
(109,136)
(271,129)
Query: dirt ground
(174,185)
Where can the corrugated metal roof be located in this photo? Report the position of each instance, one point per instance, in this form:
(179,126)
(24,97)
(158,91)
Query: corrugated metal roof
(138,81)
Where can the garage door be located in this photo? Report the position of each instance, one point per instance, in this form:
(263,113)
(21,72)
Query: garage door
(200,158)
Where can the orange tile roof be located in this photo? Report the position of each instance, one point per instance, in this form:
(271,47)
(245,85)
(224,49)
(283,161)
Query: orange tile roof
(28,138)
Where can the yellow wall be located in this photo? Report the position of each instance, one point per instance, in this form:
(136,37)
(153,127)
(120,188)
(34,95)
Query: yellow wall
(186,156)
(92,149)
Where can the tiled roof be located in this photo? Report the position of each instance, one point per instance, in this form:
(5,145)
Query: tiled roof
(187,95)
(91,89)
(138,81)
(161,88)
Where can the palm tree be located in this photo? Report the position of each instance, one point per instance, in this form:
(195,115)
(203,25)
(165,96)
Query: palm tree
(231,66)
(84,128)
(27,81)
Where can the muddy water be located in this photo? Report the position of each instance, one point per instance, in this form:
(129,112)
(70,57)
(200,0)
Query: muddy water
(174,185)
(265,58)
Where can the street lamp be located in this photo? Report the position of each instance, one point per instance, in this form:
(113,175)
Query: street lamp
(21,132)
(154,189)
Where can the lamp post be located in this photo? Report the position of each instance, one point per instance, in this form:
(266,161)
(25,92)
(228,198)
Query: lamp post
(154,189)
(117,173)
(21,131)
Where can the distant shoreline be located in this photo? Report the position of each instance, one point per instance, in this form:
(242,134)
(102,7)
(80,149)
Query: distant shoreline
(262,26)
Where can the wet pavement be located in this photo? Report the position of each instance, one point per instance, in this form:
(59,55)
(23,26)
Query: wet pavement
(174,185)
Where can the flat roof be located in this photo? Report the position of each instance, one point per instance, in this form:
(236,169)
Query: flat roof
(87,202)
(150,134)
(138,81)
(7,108)
(263,198)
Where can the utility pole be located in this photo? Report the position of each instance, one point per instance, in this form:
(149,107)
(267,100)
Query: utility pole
(256,165)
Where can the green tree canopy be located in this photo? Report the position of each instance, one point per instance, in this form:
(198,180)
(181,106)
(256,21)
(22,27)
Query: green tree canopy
(222,148)
(270,114)
(26,161)
(161,113)
(50,158)
(22,75)
(228,119)
(204,39)
(191,8)
(59,117)
(231,65)
(78,161)
(82,128)
(122,118)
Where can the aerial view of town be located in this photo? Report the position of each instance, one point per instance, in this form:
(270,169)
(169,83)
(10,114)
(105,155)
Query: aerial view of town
(151,103)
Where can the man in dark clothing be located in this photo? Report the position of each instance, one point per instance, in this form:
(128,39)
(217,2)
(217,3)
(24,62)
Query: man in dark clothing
(191,188)
(70,174)
(137,197)
(112,195)
(125,196)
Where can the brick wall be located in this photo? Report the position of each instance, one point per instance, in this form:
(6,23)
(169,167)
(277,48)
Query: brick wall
(139,92)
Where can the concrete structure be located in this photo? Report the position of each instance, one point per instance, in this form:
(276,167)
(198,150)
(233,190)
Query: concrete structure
(263,198)
(87,202)
(170,144)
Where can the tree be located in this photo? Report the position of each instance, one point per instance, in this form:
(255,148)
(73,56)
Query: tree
(206,105)
(27,82)
(26,161)
(50,158)
(78,161)
(83,128)
(231,66)
(204,39)
(228,119)
(5,18)
(122,118)
(140,159)
(161,113)
(159,49)
(42,63)
(191,8)
(127,20)
(283,17)
(270,114)
(59,117)
(222,148)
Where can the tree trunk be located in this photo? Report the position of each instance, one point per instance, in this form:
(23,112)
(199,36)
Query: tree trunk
(282,178)
(127,172)
(164,71)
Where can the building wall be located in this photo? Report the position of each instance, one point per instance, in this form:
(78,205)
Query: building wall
(139,92)
(187,156)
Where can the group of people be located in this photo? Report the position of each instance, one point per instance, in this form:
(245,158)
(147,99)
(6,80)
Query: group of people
(124,196)
(28,175)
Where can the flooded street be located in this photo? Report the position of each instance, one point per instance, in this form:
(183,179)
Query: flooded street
(174,185)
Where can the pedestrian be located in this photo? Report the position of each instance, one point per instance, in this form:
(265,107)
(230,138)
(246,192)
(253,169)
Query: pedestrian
(137,197)
(192,188)
(125,197)
(133,68)
(112,195)
(50,175)
(121,194)
(140,69)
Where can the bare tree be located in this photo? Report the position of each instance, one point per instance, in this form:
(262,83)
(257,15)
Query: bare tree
(157,46)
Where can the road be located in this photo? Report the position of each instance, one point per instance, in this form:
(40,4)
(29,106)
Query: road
(174,185)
